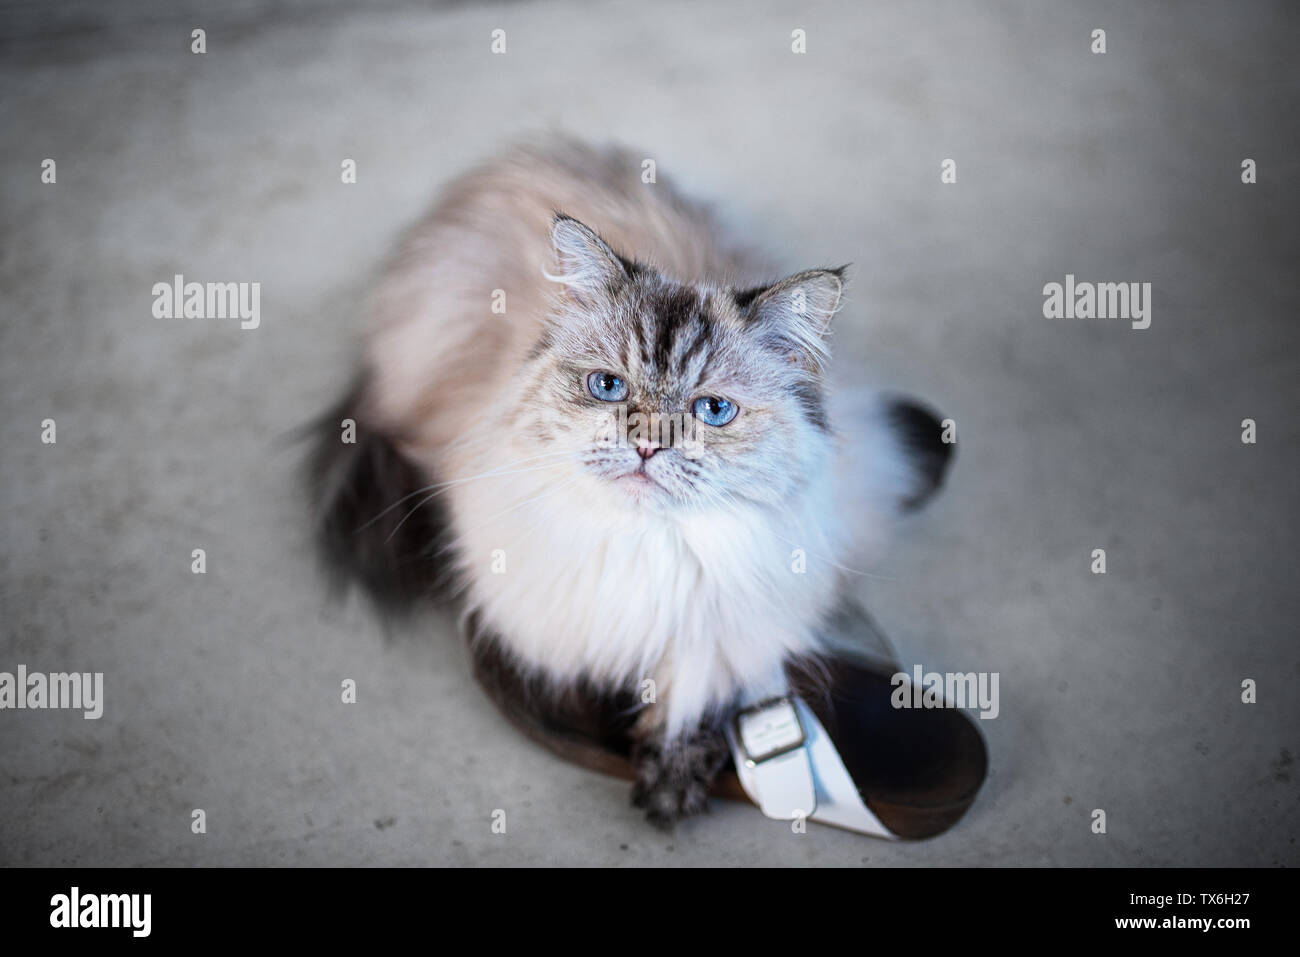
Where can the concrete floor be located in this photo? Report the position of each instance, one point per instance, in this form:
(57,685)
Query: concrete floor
(1119,692)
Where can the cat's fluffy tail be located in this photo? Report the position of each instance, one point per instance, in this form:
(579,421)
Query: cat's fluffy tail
(894,454)
(376,519)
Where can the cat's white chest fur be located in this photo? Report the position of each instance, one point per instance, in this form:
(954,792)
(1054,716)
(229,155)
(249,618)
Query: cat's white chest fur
(702,602)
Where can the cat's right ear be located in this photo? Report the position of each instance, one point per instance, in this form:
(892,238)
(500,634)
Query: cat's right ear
(587,267)
(794,315)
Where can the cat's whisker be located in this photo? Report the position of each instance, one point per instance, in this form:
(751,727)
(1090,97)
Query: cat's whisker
(499,472)
(425,501)
(546,494)
(545,517)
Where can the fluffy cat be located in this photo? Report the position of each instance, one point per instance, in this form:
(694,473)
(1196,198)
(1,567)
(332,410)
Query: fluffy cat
(494,468)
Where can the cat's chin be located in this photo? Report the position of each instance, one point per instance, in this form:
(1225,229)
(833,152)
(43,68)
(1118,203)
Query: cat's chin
(641,489)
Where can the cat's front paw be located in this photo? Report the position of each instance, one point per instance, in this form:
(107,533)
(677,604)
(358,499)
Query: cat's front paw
(674,777)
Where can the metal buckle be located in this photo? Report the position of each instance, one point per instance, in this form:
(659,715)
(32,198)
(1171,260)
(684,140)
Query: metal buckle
(768,730)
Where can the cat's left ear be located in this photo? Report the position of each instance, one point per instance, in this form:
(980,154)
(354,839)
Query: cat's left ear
(588,267)
(795,314)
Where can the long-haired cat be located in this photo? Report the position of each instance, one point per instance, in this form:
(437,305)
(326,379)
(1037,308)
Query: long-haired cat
(520,340)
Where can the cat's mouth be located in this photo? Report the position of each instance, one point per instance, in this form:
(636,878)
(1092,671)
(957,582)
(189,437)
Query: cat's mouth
(640,476)
(639,482)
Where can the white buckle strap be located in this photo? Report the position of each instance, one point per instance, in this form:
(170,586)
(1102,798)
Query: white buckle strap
(767,742)
(789,767)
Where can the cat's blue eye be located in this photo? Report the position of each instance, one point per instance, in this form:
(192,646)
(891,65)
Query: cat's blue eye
(711,410)
(607,387)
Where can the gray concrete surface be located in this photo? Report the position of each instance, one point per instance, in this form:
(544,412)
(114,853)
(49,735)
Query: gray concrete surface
(1119,692)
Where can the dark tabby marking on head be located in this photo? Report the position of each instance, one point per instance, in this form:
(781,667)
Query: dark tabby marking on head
(540,347)
(813,404)
(398,553)
(744,298)
(701,340)
(673,311)
(630,266)
(673,778)
(920,435)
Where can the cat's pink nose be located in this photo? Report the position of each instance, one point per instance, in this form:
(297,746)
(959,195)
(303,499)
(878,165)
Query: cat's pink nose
(646,450)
